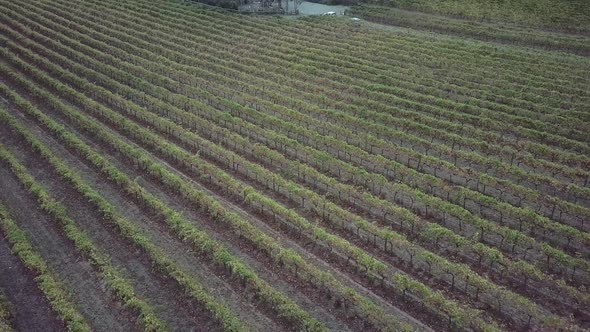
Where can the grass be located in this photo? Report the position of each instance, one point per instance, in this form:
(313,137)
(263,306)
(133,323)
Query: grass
(558,14)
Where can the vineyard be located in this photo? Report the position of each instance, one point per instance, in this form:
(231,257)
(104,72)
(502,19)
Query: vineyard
(570,15)
(168,166)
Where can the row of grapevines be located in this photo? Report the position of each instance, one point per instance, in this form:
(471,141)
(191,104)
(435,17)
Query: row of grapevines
(375,65)
(162,107)
(483,31)
(200,240)
(191,284)
(275,209)
(258,174)
(128,107)
(47,281)
(365,309)
(5,311)
(342,65)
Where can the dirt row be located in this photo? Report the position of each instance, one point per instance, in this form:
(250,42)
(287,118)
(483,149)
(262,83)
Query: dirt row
(180,252)
(167,297)
(352,273)
(363,245)
(262,218)
(316,304)
(29,309)
(95,303)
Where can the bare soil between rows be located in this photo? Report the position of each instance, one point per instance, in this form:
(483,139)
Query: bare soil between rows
(303,291)
(87,291)
(172,305)
(29,309)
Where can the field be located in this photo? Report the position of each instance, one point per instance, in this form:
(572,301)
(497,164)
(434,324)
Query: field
(171,166)
(570,15)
